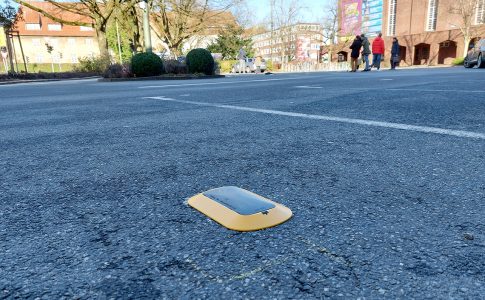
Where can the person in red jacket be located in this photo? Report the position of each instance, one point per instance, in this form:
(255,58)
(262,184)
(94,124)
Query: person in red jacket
(378,49)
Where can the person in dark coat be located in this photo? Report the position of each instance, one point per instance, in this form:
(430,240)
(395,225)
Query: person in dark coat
(394,53)
(365,51)
(354,55)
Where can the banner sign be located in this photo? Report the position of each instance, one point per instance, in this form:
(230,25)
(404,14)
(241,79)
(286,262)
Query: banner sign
(361,16)
(351,16)
(372,17)
(303,46)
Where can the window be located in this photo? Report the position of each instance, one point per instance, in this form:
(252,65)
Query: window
(52,42)
(391,26)
(71,42)
(56,57)
(432,14)
(54,27)
(89,42)
(85,28)
(35,42)
(74,58)
(32,26)
(480,16)
(38,58)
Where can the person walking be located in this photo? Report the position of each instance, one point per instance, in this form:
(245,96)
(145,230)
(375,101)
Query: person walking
(394,53)
(354,55)
(365,52)
(378,49)
(242,60)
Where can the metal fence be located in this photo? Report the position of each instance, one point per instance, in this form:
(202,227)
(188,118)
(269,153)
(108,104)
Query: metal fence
(315,67)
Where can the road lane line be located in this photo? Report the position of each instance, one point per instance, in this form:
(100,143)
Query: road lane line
(428,90)
(221,82)
(307,87)
(416,128)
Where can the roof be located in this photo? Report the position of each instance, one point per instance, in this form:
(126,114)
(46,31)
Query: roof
(30,16)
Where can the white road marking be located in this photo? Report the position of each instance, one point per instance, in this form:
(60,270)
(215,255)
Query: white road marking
(430,90)
(387,79)
(423,129)
(307,87)
(221,82)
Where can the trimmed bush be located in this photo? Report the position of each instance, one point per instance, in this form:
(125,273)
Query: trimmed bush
(458,61)
(146,64)
(200,61)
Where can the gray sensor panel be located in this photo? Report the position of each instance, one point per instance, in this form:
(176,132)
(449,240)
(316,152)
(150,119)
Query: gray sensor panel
(239,200)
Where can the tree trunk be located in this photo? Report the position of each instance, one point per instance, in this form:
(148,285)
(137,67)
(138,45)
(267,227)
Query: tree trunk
(102,42)
(9,50)
(174,51)
(466,45)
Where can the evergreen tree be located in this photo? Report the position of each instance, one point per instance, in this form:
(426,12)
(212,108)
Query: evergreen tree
(229,42)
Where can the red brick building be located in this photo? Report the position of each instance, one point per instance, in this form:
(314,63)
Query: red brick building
(428,32)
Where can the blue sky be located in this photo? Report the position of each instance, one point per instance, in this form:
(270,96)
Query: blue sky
(313,9)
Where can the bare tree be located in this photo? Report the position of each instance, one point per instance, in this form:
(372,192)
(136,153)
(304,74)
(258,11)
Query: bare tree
(175,21)
(286,13)
(244,14)
(8,16)
(99,11)
(331,29)
(467,10)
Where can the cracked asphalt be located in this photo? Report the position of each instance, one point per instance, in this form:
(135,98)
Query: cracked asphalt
(94,179)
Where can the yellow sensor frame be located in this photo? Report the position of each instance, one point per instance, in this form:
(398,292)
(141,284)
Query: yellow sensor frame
(239,209)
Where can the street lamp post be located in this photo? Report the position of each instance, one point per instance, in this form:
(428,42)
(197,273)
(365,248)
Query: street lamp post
(146,25)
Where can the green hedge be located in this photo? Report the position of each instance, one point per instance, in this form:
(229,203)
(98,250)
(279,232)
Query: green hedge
(226,65)
(200,61)
(146,64)
(458,61)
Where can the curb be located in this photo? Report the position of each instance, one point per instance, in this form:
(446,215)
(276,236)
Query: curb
(189,77)
(44,80)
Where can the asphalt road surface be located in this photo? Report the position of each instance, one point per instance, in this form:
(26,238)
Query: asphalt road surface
(384,172)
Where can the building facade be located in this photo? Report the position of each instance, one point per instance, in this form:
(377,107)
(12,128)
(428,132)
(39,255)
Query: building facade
(428,30)
(33,33)
(298,42)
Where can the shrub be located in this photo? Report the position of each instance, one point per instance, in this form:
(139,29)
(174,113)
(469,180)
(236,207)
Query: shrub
(458,61)
(173,66)
(269,65)
(93,64)
(146,64)
(200,61)
(117,71)
(226,65)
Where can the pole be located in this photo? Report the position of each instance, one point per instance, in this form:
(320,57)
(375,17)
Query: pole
(146,26)
(12,40)
(272,4)
(10,51)
(119,41)
(22,51)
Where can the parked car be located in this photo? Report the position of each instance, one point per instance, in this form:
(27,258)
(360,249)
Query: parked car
(251,66)
(476,55)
